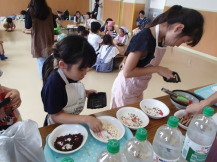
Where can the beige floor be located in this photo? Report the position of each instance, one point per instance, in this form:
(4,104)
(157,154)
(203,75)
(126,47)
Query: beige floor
(20,71)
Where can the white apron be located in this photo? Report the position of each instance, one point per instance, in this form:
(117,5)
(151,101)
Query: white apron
(126,91)
(76,97)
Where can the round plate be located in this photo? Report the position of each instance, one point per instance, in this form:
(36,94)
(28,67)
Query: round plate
(103,135)
(130,116)
(148,104)
(179,114)
(66,129)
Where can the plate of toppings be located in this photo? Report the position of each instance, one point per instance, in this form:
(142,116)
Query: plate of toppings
(183,121)
(67,138)
(132,117)
(154,109)
(112,129)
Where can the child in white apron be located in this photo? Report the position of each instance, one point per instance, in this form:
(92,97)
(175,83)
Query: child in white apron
(176,26)
(63,94)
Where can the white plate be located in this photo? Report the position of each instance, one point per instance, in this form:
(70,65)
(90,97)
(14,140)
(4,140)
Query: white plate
(179,114)
(111,120)
(66,129)
(151,103)
(124,112)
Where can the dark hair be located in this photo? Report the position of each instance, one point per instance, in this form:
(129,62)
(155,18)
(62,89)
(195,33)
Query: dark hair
(85,33)
(191,19)
(108,19)
(9,20)
(93,15)
(23,12)
(95,26)
(107,39)
(39,9)
(142,12)
(81,28)
(71,50)
(88,13)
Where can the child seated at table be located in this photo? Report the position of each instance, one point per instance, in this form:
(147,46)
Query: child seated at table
(9,25)
(78,18)
(111,29)
(105,25)
(63,94)
(106,54)
(122,37)
(80,29)
(93,38)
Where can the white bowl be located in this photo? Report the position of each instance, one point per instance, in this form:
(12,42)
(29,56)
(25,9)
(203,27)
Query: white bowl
(66,129)
(124,112)
(146,104)
(186,94)
(179,114)
(113,121)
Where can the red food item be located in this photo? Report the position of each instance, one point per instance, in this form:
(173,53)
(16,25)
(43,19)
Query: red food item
(134,119)
(160,112)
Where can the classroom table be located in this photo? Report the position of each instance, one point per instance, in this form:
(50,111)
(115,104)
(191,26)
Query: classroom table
(67,23)
(152,127)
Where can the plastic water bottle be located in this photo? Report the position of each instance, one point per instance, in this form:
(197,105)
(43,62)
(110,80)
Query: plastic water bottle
(200,136)
(112,154)
(139,149)
(168,140)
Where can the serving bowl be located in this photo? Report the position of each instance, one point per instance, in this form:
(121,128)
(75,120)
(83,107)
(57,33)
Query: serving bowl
(66,129)
(112,129)
(132,117)
(180,105)
(154,108)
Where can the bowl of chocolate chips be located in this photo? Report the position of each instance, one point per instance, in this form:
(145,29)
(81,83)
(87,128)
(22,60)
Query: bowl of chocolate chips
(67,138)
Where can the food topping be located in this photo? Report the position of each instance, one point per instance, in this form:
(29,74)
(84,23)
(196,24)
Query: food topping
(132,120)
(185,120)
(155,111)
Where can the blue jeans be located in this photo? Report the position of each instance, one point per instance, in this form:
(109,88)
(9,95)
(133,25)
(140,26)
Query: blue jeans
(40,61)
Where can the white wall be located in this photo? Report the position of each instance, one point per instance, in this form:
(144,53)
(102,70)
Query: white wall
(157,4)
(207,5)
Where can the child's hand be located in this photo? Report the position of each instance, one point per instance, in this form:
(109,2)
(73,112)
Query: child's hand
(15,98)
(94,124)
(88,92)
(194,109)
(165,72)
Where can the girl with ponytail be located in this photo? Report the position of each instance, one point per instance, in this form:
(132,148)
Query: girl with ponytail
(63,94)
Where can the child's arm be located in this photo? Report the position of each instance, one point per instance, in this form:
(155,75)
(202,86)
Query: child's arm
(14,95)
(196,108)
(14,26)
(65,118)
(130,69)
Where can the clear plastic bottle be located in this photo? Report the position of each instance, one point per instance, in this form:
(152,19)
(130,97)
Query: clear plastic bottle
(168,140)
(112,154)
(139,149)
(199,136)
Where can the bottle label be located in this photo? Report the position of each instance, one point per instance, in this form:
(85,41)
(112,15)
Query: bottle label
(157,158)
(194,152)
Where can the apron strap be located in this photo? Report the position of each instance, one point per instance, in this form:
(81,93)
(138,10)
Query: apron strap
(63,76)
(157,34)
(109,50)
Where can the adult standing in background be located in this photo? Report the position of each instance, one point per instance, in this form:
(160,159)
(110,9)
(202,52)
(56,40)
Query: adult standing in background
(41,20)
(97,10)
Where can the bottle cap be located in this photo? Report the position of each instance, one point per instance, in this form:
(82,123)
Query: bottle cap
(173,121)
(208,111)
(113,146)
(141,134)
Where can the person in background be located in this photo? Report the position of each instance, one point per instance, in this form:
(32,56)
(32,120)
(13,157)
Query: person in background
(105,25)
(97,9)
(111,29)
(90,20)
(41,20)
(146,49)
(80,29)
(141,22)
(107,49)
(9,25)
(122,37)
(93,38)
(63,94)
(85,34)
(60,16)
(23,14)
(2,51)
(9,113)
(78,18)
